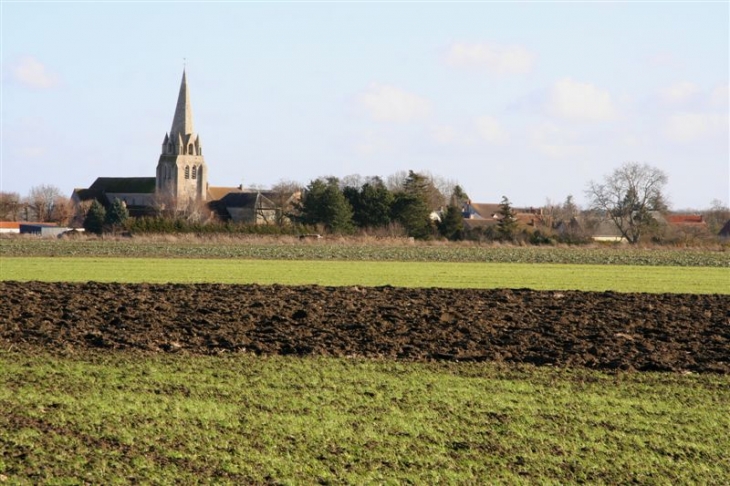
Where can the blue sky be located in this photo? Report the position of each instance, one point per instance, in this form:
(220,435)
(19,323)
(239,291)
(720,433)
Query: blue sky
(527,100)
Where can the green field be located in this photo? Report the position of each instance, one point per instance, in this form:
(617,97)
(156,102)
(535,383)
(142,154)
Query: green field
(620,278)
(123,418)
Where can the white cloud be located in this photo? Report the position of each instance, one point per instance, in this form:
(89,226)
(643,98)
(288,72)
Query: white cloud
(498,59)
(31,72)
(580,101)
(679,92)
(491,130)
(556,142)
(391,104)
(690,127)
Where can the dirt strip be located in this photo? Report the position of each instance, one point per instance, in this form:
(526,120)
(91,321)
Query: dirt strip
(665,332)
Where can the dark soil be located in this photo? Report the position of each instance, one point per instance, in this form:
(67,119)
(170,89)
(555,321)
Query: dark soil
(666,332)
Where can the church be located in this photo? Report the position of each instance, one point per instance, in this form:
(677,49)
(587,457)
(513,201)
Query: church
(180,185)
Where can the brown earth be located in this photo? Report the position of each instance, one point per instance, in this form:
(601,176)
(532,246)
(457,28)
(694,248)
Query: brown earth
(667,332)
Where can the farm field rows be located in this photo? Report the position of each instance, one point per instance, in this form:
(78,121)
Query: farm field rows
(254,249)
(354,381)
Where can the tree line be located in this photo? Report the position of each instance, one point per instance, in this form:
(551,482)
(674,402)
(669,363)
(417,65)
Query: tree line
(415,204)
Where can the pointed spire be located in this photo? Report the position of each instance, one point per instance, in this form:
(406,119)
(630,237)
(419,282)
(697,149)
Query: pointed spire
(182,122)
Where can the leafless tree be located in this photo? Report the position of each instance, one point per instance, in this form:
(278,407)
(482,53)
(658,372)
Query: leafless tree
(190,209)
(80,211)
(11,206)
(352,180)
(628,196)
(284,195)
(716,216)
(63,210)
(41,201)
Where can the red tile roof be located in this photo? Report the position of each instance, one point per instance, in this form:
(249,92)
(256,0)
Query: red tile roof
(685,219)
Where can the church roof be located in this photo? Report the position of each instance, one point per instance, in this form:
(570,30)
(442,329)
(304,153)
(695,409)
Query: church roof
(182,122)
(130,185)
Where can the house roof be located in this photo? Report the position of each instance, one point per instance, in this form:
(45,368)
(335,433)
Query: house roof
(239,199)
(605,228)
(484,211)
(693,219)
(219,192)
(131,185)
(9,225)
(246,200)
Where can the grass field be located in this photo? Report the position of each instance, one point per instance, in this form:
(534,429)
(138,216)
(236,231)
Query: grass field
(620,278)
(120,418)
(106,418)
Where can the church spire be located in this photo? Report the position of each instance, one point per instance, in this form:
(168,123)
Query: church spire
(182,122)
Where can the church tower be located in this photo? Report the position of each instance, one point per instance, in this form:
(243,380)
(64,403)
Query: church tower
(181,171)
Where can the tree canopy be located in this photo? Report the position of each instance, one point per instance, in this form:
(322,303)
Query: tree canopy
(628,196)
(324,204)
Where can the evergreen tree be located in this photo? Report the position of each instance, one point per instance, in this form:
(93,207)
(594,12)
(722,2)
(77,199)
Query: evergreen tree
(117,215)
(411,206)
(452,224)
(324,204)
(371,204)
(507,226)
(94,220)
(458,197)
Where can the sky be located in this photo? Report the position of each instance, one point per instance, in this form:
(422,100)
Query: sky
(528,100)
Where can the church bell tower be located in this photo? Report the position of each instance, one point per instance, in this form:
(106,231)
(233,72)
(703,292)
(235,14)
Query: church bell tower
(181,171)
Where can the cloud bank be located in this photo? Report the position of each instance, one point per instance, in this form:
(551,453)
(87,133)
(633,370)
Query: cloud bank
(386,103)
(34,74)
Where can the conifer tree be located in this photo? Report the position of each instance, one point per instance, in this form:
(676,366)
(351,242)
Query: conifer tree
(117,215)
(507,226)
(452,224)
(94,220)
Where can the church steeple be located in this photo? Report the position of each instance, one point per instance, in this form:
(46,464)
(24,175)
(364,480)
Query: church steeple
(182,174)
(182,122)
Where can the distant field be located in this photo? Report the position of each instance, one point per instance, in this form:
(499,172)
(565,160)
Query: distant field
(120,418)
(292,249)
(619,278)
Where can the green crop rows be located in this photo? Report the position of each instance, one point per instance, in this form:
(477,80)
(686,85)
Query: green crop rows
(253,250)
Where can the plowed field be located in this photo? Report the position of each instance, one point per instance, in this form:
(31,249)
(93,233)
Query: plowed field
(665,332)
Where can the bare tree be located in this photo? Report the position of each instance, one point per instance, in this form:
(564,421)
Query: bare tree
(352,180)
(284,195)
(63,210)
(716,216)
(628,196)
(11,206)
(41,201)
(81,209)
